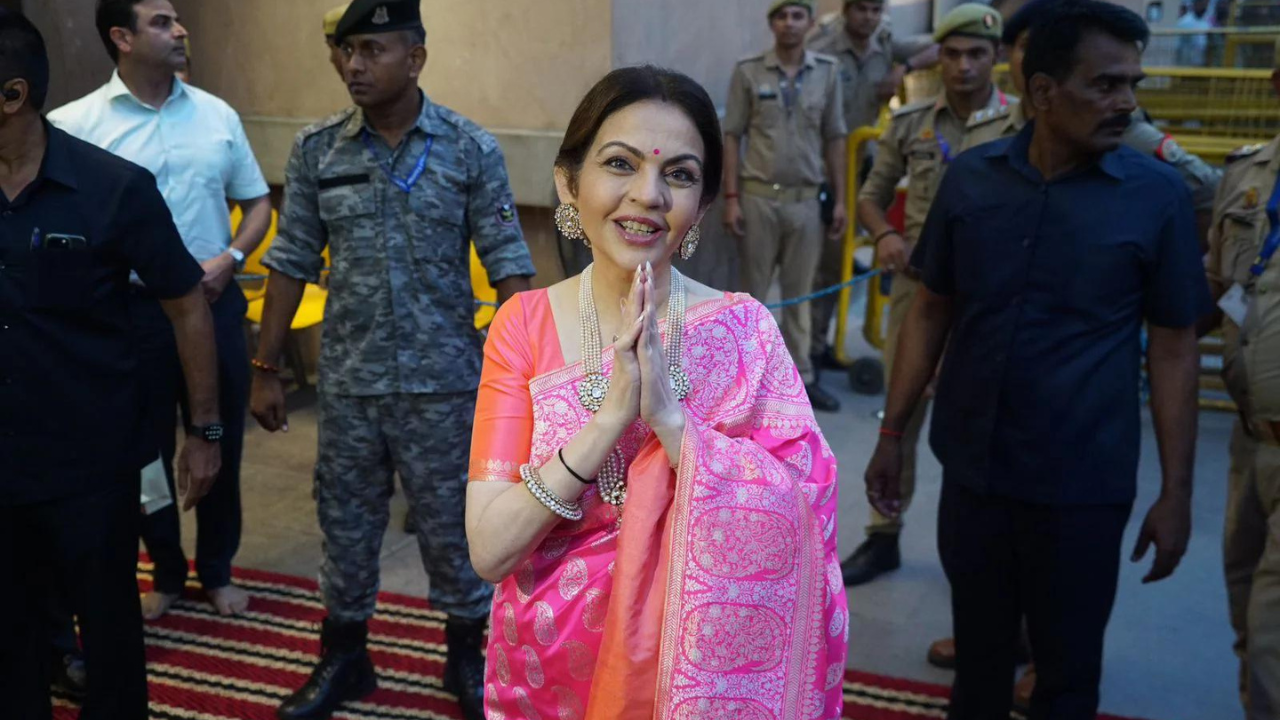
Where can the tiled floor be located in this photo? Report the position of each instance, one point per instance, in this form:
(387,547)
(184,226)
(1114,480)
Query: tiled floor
(1169,646)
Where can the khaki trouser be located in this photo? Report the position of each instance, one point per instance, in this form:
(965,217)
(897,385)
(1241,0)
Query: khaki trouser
(823,308)
(788,236)
(900,297)
(1251,557)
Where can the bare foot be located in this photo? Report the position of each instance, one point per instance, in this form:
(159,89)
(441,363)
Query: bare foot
(229,600)
(155,604)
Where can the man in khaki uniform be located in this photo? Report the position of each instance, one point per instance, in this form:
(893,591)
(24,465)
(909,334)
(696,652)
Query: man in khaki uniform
(1244,270)
(872,65)
(919,143)
(786,105)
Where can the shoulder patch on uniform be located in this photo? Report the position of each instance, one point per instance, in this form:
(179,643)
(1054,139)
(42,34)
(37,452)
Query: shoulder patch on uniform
(986,115)
(337,118)
(468,127)
(1244,152)
(914,107)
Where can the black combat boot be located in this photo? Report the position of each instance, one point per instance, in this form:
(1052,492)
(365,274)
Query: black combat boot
(464,668)
(345,673)
(878,554)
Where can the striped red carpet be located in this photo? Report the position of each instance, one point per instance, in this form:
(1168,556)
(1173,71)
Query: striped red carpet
(205,667)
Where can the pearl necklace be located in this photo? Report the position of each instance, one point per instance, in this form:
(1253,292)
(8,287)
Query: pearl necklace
(595,385)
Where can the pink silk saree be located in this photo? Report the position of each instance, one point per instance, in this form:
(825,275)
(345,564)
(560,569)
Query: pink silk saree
(715,591)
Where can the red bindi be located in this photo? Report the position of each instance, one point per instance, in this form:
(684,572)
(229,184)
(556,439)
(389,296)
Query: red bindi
(656,151)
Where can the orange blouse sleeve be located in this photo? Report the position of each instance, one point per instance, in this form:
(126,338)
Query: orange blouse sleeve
(503,429)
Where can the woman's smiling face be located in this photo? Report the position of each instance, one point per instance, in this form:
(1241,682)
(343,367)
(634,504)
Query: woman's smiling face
(639,189)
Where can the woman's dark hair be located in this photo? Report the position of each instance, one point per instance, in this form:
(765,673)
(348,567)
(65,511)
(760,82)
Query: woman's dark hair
(627,86)
(1059,29)
(113,14)
(23,56)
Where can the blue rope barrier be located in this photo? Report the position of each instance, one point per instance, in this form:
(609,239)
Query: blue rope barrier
(824,291)
(782,303)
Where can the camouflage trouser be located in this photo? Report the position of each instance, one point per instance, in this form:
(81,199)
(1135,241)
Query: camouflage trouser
(363,442)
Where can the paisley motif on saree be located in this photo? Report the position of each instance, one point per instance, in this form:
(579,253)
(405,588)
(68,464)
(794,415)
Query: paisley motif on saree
(716,591)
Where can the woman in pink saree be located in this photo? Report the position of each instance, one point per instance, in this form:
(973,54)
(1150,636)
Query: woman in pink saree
(658,511)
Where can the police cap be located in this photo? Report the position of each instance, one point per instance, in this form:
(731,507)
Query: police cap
(331,19)
(779,4)
(972,19)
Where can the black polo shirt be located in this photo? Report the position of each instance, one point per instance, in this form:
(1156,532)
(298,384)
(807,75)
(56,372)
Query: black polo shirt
(69,402)
(1038,397)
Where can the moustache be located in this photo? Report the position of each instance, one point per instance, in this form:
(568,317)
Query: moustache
(1119,122)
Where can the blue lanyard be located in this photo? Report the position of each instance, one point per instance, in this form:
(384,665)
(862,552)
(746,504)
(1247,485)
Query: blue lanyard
(405,184)
(1272,242)
(946,149)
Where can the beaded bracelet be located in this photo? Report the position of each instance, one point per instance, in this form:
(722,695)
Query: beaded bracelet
(532,481)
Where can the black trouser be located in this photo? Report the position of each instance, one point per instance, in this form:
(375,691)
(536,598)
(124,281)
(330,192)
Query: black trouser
(218,514)
(1059,566)
(86,544)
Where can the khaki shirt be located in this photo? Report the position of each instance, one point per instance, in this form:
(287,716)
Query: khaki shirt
(786,122)
(860,75)
(1201,178)
(1251,357)
(913,147)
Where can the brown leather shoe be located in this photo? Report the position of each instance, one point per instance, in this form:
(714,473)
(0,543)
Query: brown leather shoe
(1023,689)
(942,653)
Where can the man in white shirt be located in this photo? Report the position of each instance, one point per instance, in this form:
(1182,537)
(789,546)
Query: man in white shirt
(195,146)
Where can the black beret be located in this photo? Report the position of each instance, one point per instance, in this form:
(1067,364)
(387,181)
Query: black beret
(366,17)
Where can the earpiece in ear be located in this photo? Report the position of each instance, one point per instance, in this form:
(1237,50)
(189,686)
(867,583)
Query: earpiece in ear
(12,94)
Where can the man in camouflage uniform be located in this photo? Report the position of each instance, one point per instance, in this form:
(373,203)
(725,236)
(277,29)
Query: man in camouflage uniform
(394,187)
(786,105)
(920,142)
(872,65)
(1244,271)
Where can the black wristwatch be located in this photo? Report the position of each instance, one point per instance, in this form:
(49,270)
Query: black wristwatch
(209,433)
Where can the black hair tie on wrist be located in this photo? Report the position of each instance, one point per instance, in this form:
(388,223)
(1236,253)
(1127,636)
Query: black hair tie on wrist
(575,475)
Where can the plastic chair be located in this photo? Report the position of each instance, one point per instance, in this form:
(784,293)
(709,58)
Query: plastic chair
(483,292)
(253,280)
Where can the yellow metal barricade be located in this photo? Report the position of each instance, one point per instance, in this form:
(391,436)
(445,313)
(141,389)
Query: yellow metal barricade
(857,139)
(1209,111)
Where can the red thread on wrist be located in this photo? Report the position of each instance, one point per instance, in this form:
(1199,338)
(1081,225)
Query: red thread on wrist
(891,433)
(264,367)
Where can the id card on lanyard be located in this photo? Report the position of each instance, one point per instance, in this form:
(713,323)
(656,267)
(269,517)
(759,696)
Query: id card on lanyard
(405,184)
(1235,303)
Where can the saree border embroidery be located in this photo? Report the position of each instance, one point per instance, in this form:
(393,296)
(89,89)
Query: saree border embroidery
(493,470)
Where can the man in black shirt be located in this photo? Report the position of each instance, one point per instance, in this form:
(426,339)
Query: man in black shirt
(1042,256)
(74,221)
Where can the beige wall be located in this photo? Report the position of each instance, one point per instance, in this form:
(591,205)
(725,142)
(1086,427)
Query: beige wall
(77,61)
(703,39)
(517,67)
